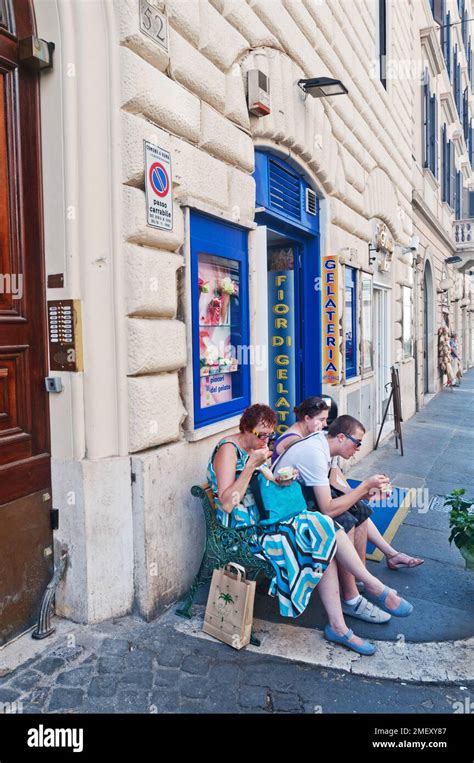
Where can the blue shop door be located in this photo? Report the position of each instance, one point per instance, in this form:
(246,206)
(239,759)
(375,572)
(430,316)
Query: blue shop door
(285,355)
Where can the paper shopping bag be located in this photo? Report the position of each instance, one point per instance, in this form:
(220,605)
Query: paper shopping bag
(229,610)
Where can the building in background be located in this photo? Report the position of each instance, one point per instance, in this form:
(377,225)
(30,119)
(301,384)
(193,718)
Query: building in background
(214,235)
(443,179)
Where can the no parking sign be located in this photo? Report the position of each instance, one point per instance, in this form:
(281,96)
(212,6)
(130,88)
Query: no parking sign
(158,185)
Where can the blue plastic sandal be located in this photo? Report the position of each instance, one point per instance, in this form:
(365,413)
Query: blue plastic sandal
(403,610)
(365,648)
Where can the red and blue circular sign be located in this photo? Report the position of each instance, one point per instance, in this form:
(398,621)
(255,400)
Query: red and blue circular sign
(159,179)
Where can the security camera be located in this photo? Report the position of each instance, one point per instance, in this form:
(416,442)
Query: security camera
(412,246)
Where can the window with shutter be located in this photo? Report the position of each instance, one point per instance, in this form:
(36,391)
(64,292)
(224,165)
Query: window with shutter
(444,158)
(452,162)
(465,123)
(447,42)
(455,71)
(426,119)
(437,8)
(435,134)
(432,135)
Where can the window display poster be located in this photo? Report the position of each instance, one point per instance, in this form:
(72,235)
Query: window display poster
(216,389)
(218,286)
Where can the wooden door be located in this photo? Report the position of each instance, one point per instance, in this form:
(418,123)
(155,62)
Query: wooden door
(26,553)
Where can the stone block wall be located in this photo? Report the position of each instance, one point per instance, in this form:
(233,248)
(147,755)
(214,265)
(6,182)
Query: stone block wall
(191,101)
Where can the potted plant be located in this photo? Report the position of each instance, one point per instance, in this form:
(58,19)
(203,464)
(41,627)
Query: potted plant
(461,524)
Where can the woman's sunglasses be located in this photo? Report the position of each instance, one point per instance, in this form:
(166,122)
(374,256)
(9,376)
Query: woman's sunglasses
(265,435)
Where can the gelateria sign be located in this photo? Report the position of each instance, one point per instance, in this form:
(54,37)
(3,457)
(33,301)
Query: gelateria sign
(330,321)
(281,333)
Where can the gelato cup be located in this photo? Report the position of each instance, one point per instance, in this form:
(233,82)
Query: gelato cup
(285,473)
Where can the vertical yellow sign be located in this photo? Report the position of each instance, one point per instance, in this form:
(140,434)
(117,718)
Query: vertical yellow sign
(330,320)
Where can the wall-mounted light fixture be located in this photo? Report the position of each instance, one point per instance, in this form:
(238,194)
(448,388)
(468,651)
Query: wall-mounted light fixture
(322,87)
(372,249)
(454,260)
(443,284)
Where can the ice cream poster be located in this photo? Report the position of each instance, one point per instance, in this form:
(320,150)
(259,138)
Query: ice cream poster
(216,390)
(218,285)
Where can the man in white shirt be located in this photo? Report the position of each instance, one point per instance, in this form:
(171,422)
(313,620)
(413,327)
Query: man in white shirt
(313,457)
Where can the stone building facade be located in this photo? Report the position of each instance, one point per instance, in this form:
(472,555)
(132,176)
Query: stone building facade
(126,440)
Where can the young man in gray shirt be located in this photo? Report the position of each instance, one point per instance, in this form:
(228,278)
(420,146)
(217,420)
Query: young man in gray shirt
(313,457)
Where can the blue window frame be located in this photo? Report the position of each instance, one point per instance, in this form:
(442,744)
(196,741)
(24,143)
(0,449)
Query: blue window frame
(350,321)
(220,319)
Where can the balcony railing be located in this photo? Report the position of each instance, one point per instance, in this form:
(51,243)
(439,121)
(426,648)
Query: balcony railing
(463,231)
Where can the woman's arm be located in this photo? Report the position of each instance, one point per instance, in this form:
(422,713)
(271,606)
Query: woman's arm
(229,489)
(282,446)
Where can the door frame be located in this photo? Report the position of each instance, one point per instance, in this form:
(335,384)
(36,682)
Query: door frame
(382,342)
(428,329)
(308,318)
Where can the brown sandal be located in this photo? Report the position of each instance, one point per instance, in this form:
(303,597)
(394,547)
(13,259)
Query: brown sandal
(413,561)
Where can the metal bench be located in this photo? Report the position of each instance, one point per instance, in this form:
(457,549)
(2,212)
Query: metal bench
(223,545)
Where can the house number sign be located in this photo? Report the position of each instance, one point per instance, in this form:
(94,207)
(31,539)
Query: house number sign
(154,24)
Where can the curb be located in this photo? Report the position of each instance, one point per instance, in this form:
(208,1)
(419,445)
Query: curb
(445,662)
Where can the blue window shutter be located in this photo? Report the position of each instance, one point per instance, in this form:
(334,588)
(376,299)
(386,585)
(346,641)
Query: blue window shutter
(426,109)
(455,71)
(443,163)
(452,162)
(471,203)
(432,135)
(465,114)
(426,120)
(436,135)
(448,52)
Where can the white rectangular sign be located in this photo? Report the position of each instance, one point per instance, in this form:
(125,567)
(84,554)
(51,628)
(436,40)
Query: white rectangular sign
(158,186)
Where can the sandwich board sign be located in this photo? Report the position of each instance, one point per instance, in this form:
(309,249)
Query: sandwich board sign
(158,187)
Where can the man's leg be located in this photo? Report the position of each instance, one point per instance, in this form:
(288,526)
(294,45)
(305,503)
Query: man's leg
(347,582)
(360,539)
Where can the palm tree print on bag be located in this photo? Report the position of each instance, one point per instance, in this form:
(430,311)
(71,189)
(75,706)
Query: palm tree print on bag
(222,605)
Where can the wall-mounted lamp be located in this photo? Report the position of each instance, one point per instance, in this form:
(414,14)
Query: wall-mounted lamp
(443,284)
(322,87)
(454,260)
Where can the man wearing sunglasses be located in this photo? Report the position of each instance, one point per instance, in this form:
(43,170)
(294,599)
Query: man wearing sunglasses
(314,458)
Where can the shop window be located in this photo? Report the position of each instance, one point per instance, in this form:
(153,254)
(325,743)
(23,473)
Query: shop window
(367,335)
(350,321)
(407,320)
(221,350)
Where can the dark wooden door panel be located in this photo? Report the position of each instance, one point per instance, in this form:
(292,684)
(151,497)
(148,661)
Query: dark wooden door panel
(26,568)
(26,558)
